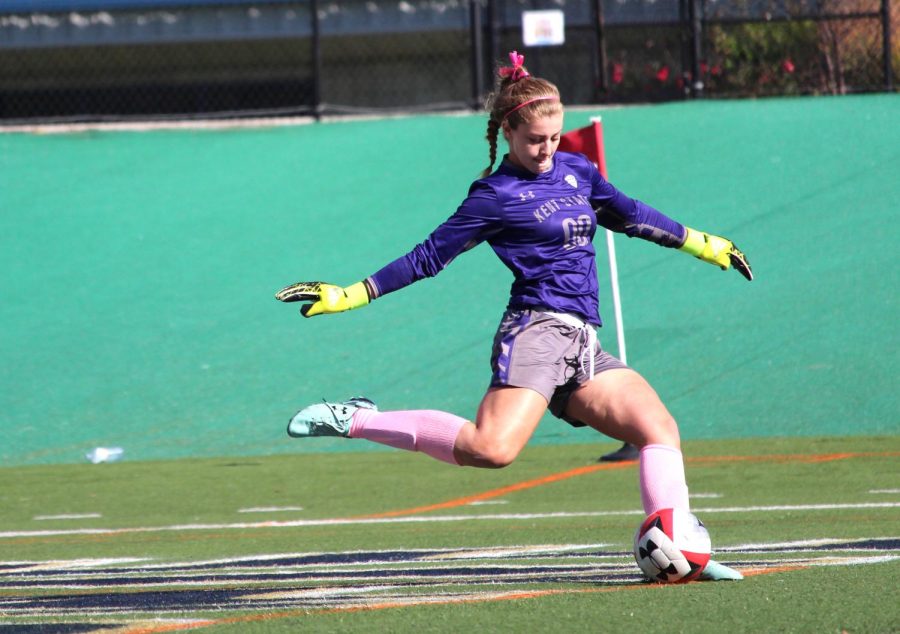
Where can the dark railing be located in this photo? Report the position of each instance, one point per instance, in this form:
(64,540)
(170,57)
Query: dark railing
(122,59)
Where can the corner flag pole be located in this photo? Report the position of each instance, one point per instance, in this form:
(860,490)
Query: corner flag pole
(617,300)
(589,141)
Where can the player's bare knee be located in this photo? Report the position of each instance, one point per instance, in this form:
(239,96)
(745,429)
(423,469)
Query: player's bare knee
(496,456)
(500,459)
(661,430)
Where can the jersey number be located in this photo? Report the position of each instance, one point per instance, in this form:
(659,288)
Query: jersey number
(576,231)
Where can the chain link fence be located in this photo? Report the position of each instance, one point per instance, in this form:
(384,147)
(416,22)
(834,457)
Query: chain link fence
(148,59)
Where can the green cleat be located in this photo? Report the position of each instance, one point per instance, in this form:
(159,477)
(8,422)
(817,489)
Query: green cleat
(327,419)
(715,571)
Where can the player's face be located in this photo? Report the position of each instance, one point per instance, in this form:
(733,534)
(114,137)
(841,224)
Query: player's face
(532,145)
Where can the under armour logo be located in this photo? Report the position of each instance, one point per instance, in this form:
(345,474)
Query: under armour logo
(526,195)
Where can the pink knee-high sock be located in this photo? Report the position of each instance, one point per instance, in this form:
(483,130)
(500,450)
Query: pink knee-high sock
(429,431)
(662,479)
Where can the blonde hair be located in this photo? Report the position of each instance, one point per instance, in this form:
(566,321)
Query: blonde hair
(517,98)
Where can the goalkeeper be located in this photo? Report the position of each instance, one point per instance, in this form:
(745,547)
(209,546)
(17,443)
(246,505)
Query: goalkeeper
(539,211)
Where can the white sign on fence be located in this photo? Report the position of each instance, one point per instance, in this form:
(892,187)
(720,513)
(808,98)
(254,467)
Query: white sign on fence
(543,28)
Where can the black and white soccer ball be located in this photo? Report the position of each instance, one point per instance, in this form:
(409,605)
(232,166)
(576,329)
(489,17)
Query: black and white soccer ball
(672,546)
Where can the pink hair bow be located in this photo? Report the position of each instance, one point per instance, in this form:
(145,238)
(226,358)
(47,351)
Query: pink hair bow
(516,72)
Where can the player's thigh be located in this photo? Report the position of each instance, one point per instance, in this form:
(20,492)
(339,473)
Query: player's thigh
(621,404)
(506,420)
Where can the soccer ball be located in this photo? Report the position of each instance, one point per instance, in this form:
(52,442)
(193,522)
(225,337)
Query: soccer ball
(672,546)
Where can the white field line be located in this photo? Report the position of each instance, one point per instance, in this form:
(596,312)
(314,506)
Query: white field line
(420,556)
(67,516)
(270,509)
(68,564)
(855,561)
(482,573)
(884,491)
(428,519)
(798,545)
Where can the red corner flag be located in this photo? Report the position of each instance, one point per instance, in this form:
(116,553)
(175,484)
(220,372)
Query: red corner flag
(588,141)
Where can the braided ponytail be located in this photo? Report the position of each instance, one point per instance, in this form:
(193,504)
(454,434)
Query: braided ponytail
(493,129)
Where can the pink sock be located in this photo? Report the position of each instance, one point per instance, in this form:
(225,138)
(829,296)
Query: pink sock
(429,431)
(662,479)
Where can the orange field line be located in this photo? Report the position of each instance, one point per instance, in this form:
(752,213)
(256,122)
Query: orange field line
(579,471)
(167,627)
(487,495)
(753,572)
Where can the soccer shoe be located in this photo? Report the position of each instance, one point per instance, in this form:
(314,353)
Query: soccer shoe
(715,571)
(327,419)
(626,452)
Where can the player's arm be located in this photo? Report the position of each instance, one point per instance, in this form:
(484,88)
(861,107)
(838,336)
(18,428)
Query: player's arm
(618,212)
(474,221)
(643,221)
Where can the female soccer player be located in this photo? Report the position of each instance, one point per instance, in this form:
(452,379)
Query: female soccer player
(538,211)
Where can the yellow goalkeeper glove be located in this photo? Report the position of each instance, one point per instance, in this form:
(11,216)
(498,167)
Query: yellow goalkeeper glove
(325,298)
(716,250)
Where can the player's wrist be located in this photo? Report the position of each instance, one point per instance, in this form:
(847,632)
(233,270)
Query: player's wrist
(357,295)
(694,242)
(708,247)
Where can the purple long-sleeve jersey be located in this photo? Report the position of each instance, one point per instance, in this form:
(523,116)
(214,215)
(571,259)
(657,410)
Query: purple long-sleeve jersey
(541,226)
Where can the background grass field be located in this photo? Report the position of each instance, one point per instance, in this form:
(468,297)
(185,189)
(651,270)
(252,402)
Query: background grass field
(354,542)
(138,277)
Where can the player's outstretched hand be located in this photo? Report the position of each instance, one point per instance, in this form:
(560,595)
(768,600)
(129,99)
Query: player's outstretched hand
(716,250)
(324,298)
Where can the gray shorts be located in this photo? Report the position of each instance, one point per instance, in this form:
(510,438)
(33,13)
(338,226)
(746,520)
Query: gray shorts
(536,350)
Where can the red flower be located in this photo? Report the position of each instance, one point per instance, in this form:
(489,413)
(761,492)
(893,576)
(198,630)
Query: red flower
(663,74)
(788,66)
